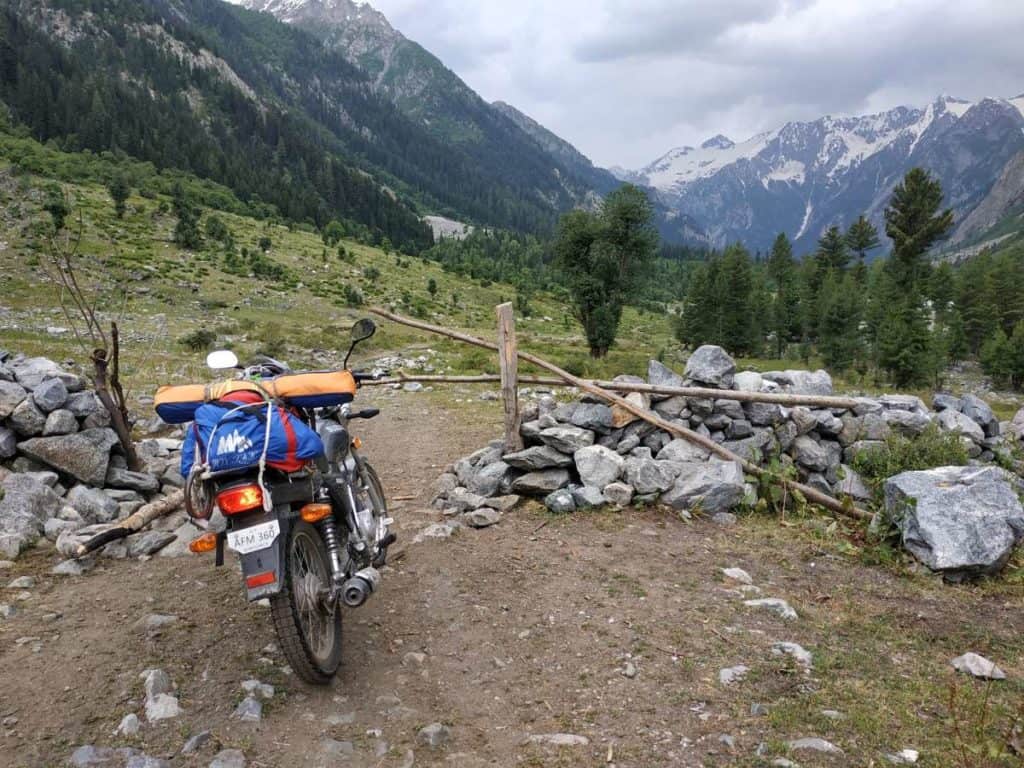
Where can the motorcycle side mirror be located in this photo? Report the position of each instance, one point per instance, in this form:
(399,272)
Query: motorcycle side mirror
(220,359)
(363,329)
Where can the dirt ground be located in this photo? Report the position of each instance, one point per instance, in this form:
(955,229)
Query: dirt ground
(608,626)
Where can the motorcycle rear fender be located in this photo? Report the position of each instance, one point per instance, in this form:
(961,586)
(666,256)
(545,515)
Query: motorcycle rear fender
(267,560)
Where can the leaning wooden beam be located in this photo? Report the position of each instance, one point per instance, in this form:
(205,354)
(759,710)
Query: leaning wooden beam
(133,523)
(811,494)
(790,400)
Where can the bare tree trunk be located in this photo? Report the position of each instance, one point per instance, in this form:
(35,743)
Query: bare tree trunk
(106,375)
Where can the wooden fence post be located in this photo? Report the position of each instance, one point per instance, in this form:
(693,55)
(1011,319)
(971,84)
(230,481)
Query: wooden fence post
(508,359)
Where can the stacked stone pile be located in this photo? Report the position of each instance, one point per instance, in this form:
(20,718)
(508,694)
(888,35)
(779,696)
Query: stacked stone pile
(62,471)
(584,453)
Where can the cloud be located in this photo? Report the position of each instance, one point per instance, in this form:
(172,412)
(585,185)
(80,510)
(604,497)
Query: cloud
(625,80)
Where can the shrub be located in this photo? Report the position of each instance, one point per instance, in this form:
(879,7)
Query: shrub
(199,340)
(353,297)
(932,448)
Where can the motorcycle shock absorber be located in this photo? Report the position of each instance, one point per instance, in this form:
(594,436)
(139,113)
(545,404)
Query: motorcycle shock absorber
(329,531)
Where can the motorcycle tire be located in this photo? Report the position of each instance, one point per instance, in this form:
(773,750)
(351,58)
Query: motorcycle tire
(375,491)
(308,630)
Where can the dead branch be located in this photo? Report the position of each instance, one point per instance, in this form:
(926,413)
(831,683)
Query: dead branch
(811,494)
(133,523)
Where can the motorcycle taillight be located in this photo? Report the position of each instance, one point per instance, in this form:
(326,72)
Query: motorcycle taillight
(241,498)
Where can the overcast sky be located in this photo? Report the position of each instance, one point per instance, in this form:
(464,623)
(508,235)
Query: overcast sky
(626,80)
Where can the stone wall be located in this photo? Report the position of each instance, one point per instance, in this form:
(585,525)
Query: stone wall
(62,470)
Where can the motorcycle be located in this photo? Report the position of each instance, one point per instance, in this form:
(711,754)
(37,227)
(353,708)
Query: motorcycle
(310,540)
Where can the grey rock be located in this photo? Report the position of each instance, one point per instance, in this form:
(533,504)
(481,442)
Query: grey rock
(156,682)
(815,745)
(661,376)
(560,501)
(680,450)
(27,420)
(909,423)
(171,477)
(249,710)
(978,411)
(11,396)
(195,743)
(597,465)
(731,675)
(954,421)
(724,519)
(748,381)
(129,725)
(96,420)
(799,654)
(866,405)
(145,761)
(671,407)
(758,710)
(819,482)
(701,407)
(737,574)
(1015,430)
(860,447)
(627,444)
(530,430)
(911,403)
(587,496)
(541,482)
(763,414)
(148,543)
(710,486)
(593,416)
(618,494)
(434,735)
(60,422)
(739,429)
(8,443)
(432,531)
(341,750)
(852,484)
(801,382)
(731,408)
(487,480)
(717,422)
(710,365)
(258,689)
(136,481)
(558,739)
(567,439)
(162,706)
(22,582)
(50,395)
(85,455)
(810,454)
(463,500)
(31,372)
(503,503)
(229,758)
(54,527)
(942,402)
(151,623)
(786,433)
(88,755)
(827,424)
(25,507)
(776,605)
(484,517)
(977,666)
(650,476)
(962,521)
(538,457)
(84,404)
(71,567)
(92,504)
(803,418)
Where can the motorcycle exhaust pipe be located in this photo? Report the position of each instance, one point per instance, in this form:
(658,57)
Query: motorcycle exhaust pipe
(356,590)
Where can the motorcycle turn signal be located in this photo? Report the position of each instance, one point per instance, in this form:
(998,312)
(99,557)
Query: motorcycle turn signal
(314,513)
(206,542)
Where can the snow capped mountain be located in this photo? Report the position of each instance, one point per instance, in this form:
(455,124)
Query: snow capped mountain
(805,176)
(295,11)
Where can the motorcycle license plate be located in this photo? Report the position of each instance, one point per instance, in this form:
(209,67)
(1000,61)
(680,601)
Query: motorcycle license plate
(254,537)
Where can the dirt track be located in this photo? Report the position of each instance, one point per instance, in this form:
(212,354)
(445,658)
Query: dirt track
(609,626)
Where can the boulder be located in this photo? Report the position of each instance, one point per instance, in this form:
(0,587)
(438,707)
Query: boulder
(85,455)
(11,396)
(650,476)
(50,395)
(60,422)
(567,439)
(621,417)
(942,402)
(954,421)
(810,454)
(801,382)
(711,366)
(593,416)
(487,480)
(484,517)
(597,465)
(33,371)
(8,443)
(661,376)
(537,457)
(911,403)
(618,494)
(909,423)
(560,502)
(542,482)
(713,487)
(1016,429)
(763,414)
(739,429)
(26,505)
(682,450)
(117,477)
(149,542)
(852,484)
(587,496)
(978,411)
(672,407)
(26,419)
(962,521)
(84,404)
(92,504)
(747,381)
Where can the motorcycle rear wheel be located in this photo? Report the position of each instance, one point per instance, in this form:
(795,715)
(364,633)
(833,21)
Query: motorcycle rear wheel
(308,629)
(375,494)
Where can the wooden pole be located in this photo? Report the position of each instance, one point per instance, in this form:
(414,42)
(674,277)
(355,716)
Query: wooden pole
(811,494)
(779,398)
(134,522)
(508,361)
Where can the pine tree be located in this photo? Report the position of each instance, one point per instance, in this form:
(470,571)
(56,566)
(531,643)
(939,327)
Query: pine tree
(734,290)
(119,192)
(862,237)
(840,343)
(832,251)
(186,231)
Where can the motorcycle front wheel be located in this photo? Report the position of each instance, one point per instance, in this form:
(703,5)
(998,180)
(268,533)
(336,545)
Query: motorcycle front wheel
(308,627)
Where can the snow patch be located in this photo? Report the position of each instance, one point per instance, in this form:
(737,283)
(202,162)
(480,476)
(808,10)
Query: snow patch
(789,171)
(808,210)
(685,164)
